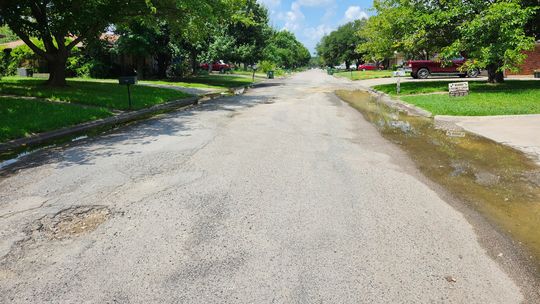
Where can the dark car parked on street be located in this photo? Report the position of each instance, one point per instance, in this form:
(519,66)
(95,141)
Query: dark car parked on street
(424,68)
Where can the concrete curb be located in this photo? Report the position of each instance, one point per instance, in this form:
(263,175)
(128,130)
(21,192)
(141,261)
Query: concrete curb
(109,121)
(118,119)
(399,104)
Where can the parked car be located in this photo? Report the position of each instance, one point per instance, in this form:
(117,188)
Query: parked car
(369,67)
(424,68)
(217,66)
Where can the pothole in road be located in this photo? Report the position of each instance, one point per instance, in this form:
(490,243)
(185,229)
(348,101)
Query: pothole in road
(70,222)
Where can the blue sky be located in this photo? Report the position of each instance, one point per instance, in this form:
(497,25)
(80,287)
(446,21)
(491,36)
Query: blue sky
(309,20)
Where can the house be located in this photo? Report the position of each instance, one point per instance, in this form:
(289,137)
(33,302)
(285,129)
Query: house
(531,63)
(116,64)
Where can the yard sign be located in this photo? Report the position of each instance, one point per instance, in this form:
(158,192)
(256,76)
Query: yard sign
(458,89)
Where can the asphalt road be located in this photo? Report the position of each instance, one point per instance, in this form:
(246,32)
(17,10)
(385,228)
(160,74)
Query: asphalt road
(283,195)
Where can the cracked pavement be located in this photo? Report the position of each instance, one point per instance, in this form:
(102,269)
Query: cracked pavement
(283,195)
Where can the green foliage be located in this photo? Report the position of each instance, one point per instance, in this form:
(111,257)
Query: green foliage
(266,66)
(251,33)
(341,45)
(492,34)
(495,38)
(285,51)
(9,35)
(222,47)
(55,20)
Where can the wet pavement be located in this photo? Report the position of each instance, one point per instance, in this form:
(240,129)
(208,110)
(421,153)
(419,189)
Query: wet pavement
(284,195)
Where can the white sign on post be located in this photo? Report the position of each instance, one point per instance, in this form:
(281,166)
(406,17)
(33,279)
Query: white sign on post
(458,89)
(399,73)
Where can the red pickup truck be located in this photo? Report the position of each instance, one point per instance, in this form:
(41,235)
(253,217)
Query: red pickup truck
(424,68)
(217,66)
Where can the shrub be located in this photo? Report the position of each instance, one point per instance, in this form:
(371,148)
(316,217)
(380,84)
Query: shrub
(266,66)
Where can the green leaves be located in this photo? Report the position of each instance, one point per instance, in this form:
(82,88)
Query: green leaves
(341,45)
(492,34)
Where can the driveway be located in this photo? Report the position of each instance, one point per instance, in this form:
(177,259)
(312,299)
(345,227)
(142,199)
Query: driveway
(283,195)
(521,132)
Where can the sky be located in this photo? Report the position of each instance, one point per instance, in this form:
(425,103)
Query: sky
(310,20)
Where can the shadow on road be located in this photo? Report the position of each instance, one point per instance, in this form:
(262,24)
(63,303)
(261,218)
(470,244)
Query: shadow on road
(144,132)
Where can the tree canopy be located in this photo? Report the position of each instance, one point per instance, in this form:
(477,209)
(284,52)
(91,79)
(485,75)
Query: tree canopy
(54,21)
(492,34)
(286,51)
(341,45)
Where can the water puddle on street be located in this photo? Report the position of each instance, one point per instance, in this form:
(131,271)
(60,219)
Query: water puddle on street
(498,181)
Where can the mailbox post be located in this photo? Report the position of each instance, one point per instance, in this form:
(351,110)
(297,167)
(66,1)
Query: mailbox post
(128,80)
(399,73)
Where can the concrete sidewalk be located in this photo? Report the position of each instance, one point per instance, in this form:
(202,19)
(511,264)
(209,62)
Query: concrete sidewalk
(518,131)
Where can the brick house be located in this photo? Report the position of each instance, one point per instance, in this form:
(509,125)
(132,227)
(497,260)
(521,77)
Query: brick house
(532,62)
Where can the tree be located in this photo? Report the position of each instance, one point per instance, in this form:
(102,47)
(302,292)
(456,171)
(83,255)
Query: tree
(533,26)
(492,34)
(286,51)
(143,40)
(251,33)
(54,21)
(8,34)
(341,44)
(495,39)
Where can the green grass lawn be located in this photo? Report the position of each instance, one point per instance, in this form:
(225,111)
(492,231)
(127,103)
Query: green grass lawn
(220,82)
(106,93)
(509,98)
(22,117)
(249,73)
(362,75)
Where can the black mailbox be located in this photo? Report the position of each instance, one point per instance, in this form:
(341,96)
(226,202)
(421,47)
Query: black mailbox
(127,80)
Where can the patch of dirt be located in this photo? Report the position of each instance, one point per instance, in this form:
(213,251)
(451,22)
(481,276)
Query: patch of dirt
(70,222)
(64,225)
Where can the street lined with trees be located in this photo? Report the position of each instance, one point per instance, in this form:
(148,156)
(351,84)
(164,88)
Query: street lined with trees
(491,35)
(83,38)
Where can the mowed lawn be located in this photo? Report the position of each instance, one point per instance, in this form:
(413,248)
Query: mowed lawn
(90,92)
(510,98)
(362,75)
(219,82)
(21,117)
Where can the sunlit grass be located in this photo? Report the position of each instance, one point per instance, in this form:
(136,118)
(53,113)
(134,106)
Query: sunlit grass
(105,93)
(362,75)
(20,117)
(511,97)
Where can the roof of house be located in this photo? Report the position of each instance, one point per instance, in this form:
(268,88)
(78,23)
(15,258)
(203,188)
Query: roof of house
(16,43)
(11,44)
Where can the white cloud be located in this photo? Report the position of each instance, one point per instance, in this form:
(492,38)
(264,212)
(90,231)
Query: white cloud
(293,18)
(354,13)
(270,3)
(315,2)
(316,33)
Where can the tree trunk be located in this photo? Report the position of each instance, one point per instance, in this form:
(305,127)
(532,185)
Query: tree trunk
(57,69)
(140,68)
(494,75)
(163,61)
